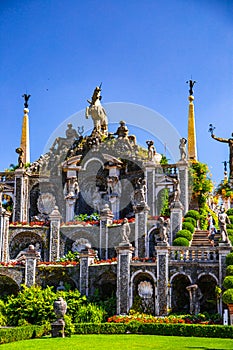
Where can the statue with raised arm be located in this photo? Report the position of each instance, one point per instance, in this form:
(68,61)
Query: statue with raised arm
(191,85)
(97,112)
(26,99)
(230,143)
(182,147)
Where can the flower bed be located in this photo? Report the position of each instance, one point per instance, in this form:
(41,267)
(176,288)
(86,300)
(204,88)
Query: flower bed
(187,319)
(105,262)
(57,263)
(29,224)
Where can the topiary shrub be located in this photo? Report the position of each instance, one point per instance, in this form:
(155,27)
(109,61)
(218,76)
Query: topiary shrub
(228,282)
(188,226)
(181,241)
(231,218)
(191,220)
(184,233)
(227,296)
(192,214)
(229,270)
(229,259)
(229,212)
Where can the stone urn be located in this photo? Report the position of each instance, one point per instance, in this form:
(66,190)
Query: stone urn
(58,327)
(60,308)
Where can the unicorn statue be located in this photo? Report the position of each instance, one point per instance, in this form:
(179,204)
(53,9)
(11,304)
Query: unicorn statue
(97,112)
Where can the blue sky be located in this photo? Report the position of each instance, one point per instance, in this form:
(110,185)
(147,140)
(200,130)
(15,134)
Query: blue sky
(142,51)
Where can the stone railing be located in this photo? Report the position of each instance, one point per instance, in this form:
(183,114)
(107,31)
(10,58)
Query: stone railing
(170,169)
(7,176)
(197,254)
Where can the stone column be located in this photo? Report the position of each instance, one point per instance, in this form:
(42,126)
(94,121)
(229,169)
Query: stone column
(141,213)
(54,238)
(106,217)
(176,219)
(124,256)
(223,251)
(4,234)
(20,212)
(184,184)
(86,259)
(162,279)
(31,257)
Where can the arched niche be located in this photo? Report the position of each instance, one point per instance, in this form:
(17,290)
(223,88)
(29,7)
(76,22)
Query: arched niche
(179,293)
(207,283)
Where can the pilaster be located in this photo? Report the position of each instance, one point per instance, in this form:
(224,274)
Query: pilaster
(162,279)
(86,259)
(176,209)
(124,256)
(184,184)
(54,239)
(21,196)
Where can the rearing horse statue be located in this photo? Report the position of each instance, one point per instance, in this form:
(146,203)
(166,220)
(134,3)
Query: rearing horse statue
(97,112)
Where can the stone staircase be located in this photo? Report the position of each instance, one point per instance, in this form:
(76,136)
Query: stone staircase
(200,239)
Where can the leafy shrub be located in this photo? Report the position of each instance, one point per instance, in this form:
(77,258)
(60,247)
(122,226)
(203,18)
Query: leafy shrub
(229,270)
(229,226)
(230,231)
(89,313)
(69,326)
(191,220)
(229,212)
(231,218)
(227,296)
(192,214)
(184,233)
(188,226)
(229,259)
(181,241)
(228,282)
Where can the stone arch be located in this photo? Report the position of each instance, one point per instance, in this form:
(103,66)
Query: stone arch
(106,284)
(20,240)
(207,283)
(70,238)
(8,285)
(152,241)
(96,159)
(146,305)
(179,296)
(33,198)
(54,277)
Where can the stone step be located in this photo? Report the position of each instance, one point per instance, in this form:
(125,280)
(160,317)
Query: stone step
(200,238)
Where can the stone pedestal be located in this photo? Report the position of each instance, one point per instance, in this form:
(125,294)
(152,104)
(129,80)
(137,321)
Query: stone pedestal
(70,203)
(20,210)
(124,255)
(58,329)
(141,213)
(4,234)
(54,239)
(184,184)
(86,259)
(176,209)
(31,257)
(162,279)
(106,217)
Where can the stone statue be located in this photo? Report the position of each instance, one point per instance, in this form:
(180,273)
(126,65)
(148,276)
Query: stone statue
(60,286)
(71,133)
(195,296)
(163,230)
(20,152)
(97,112)
(96,199)
(223,220)
(182,148)
(125,231)
(151,150)
(26,99)
(140,192)
(230,143)
(176,190)
(191,85)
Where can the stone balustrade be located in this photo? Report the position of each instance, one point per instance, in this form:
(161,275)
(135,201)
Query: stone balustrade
(193,254)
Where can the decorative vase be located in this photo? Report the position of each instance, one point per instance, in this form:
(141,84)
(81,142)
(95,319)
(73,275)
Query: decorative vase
(60,307)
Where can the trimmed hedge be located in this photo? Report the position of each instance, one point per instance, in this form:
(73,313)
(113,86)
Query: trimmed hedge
(180,242)
(184,330)
(229,270)
(229,212)
(184,233)
(192,214)
(229,259)
(191,220)
(8,335)
(188,226)
(227,296)
(228,282)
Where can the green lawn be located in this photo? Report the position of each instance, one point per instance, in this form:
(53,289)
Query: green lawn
(121,342)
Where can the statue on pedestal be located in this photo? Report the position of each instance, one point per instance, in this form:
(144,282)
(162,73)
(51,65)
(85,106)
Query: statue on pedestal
(97,112)
(223,220)
(125,231)
(182,147)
